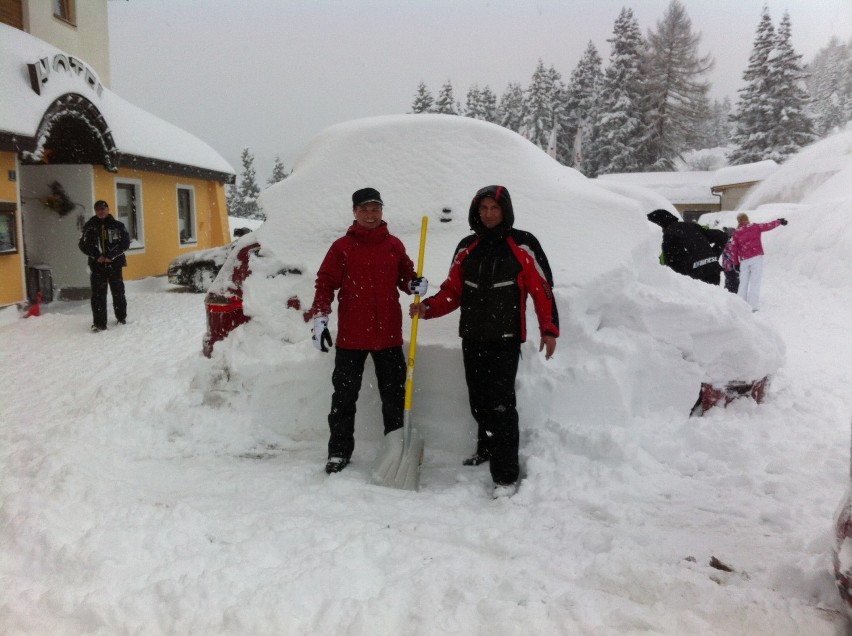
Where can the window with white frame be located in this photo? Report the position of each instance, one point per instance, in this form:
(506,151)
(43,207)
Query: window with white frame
(128,209)
(186,214)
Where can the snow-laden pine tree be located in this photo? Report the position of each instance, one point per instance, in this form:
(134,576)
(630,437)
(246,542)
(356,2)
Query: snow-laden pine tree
(544,110)
(489,104)
(754,108)
(617,128)
(831,108)
(793,126)
(717,130)
(474,106)
(676,89)
(583,90)
(423,100)
(510,111)
(246,193)
(278,171)
(445,103)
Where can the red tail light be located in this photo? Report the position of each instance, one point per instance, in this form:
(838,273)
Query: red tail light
(220,304)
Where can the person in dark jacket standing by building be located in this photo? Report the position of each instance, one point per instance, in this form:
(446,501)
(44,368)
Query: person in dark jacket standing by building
(367,267)
(690,249)
(104,241)
(492,273)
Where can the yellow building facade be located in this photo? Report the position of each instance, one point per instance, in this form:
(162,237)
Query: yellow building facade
(67,141)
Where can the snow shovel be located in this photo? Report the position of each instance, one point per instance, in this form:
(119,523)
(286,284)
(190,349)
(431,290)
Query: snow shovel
(399,460)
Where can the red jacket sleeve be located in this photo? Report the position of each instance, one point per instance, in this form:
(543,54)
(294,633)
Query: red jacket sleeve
(448,299)
(329,280)
(542,295)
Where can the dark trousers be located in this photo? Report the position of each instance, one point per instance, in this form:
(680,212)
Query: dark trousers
(732,281)
(346,380)
(101,277)
(490,369)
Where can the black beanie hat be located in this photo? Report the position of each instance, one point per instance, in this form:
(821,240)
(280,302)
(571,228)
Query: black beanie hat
(366,195)
(663,218)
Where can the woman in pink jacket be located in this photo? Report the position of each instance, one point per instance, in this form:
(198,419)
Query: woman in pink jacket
(748,256)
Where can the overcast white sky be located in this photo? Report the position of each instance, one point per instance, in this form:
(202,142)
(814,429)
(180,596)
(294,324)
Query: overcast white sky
(270,74)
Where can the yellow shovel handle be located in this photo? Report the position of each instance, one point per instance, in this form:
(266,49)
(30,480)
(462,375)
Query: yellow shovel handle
(412,347)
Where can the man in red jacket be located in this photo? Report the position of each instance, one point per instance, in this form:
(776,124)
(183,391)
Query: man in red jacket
(367,267)
(493,271)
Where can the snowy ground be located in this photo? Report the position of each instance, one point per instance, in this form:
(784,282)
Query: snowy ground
(130,505)
(147,490)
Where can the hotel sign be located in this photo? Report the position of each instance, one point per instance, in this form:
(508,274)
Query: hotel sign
(41,71)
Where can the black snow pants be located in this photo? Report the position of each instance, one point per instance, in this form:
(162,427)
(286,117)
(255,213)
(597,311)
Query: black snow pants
(490,369)
(346,380)
(105,275)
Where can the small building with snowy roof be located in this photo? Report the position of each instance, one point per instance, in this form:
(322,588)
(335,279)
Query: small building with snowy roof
(67,141)
(732,183)
(689,192)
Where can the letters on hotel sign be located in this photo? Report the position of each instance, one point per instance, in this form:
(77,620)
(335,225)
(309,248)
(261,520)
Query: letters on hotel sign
(41,70)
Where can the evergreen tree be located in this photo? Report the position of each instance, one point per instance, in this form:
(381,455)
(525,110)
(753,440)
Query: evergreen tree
(538,98)
(617,127)
(231,199)
(582,93)
(245,197)
(544,112)
(677,101)
(510,112)
(475,108)
(489,104)
(423,100)
(793,127)
(718,129)
(278,171)
(751,136)
(445,103)
(830,87)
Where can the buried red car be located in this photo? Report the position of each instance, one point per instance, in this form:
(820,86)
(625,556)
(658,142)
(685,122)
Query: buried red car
(223,304)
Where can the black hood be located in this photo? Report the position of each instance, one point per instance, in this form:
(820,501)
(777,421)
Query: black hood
(663,218)
(501,195)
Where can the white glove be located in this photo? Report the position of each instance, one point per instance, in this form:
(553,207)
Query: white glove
(320,334)
(419,286)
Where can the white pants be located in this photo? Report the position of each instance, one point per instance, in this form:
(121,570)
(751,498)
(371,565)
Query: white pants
(751,271)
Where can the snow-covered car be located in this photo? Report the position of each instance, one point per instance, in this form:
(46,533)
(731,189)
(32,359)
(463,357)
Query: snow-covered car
(670,334)
(197,270)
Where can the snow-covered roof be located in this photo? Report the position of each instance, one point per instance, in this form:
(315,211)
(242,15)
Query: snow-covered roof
(677,187)
(746,173)
(134,131)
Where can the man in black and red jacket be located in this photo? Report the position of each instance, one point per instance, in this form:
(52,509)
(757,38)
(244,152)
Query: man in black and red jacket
(492,273)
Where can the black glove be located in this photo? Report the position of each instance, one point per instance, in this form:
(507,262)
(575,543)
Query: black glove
(783,221)
(320,334)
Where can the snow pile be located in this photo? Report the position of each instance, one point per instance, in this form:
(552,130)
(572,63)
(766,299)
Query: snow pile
(665,335)
(828,161)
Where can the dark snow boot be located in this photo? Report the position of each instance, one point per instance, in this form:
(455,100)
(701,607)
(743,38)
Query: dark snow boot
(479,457)
(336,464)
